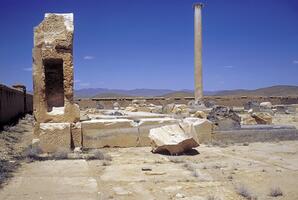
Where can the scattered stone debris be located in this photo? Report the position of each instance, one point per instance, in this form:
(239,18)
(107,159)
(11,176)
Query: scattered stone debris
(262,118)
(248,120)
(200,114)
(224,118)
(266,104)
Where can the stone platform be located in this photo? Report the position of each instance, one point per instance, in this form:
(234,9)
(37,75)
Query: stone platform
(256,133)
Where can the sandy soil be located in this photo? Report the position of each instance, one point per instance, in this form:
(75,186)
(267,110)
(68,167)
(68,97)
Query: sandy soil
(244,171)
(136,173)
(13,141)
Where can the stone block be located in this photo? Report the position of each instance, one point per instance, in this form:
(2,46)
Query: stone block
(76,135)
(172,139)
(262,118)
(53,136)
(146,124)
(202,128)
(109,133)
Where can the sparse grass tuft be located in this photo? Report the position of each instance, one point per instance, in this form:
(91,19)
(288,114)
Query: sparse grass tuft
(32,152)
(106,163)
(61,153)
(158,162)
(212,197)
(99,155)
(244,192)
(175,159)
(192,168)
(275,192)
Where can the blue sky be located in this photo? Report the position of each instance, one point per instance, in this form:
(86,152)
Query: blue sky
(127,44)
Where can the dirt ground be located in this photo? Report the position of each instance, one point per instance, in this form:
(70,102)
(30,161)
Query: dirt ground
(13,142)
(241,171)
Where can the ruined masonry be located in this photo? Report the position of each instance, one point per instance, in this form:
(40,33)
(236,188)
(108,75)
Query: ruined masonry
(54,110)
(57,117)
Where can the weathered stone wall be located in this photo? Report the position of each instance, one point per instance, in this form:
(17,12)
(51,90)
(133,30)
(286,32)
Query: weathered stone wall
(107,103)
(12,104)
(53,70)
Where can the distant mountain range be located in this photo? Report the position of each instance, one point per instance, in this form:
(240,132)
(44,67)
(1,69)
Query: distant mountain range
(279,90)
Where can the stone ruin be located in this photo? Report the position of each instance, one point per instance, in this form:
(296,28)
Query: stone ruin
(174,128)
(54,109)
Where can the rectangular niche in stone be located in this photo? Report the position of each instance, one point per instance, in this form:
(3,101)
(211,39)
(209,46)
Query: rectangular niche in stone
(53,71)
(54,83)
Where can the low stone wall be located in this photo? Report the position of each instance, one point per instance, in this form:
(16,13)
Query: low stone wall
(13,104)
(107,103)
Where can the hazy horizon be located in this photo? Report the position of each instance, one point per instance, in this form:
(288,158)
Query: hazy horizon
(246,44)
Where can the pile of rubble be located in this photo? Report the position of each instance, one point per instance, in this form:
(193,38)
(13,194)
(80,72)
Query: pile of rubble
(141,106)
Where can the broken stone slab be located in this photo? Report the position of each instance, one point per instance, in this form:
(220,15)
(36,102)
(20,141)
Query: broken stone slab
(116,106)
(172,139)
(224,118)
(262,118)
(53,136)
(248,120)
(254,135)
(180,109)
(109,133)
(144,125)
(266,104)
(286,109)
(202,128)
(168,108)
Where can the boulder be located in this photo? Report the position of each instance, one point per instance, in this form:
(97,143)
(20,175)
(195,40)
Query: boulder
(224,118)
(262,118)
(116,106)
(248,120)
(266,104)
(180,109)
(167,109)
(172,139)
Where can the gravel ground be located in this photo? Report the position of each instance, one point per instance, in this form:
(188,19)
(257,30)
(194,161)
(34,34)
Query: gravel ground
(13,141)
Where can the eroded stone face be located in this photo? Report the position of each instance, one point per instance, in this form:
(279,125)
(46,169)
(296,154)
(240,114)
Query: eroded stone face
(53,78)
(53,70)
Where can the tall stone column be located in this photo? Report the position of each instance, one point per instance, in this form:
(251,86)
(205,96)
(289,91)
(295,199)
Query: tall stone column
(198,51)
